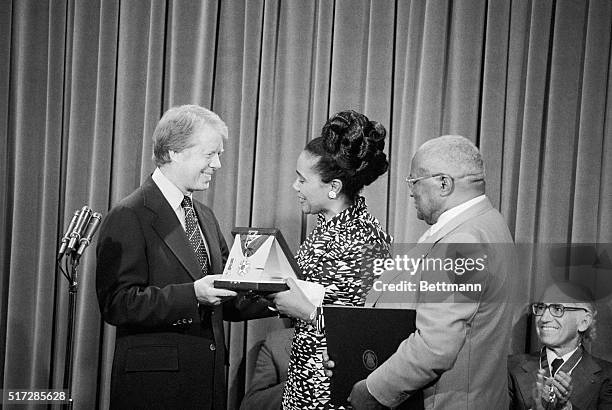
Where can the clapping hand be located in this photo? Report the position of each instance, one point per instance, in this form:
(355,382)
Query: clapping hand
(553,393)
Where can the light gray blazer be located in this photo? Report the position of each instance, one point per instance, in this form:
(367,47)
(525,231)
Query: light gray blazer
(458,353)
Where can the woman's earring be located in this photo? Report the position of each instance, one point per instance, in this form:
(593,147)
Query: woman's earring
(332,195)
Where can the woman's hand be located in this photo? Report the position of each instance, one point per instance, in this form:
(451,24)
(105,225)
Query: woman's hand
(292,302)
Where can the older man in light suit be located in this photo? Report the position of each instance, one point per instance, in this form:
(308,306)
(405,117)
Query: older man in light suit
(457,356)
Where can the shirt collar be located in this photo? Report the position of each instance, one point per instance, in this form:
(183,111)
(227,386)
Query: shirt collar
(171,192)
(448,215)
(550,355)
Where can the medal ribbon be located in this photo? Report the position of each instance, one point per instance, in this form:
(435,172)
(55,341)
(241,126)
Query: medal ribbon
(567,365)
(249,247)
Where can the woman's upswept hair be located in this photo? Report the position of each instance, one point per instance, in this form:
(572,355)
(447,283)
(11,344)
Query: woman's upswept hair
(350,149)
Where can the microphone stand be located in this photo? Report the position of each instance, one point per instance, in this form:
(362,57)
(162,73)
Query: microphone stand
(77,238)
(73,286)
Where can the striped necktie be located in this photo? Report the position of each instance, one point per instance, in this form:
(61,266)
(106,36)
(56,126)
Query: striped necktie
(193,234)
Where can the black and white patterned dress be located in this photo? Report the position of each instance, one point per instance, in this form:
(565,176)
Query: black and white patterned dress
(339,255)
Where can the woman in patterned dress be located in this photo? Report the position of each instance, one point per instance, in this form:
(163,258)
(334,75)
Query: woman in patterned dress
(339,252)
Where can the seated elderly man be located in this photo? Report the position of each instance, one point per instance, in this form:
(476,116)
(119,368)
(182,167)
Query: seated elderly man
(564,375)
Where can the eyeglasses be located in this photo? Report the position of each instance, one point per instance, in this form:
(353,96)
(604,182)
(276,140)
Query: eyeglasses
(412,181)
(555,309)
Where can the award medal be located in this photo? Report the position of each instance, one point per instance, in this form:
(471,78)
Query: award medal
(249,244)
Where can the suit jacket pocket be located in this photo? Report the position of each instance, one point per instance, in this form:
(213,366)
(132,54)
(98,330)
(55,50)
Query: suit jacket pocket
(152,358)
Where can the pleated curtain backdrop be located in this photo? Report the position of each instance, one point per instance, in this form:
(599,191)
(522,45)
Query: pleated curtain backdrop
(83,84)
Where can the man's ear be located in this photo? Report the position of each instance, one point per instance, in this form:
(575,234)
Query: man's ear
(446,184)
(585,322)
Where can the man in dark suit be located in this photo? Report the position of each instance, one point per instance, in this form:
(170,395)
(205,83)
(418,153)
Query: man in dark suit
(457,354)
(563,375)
(158,253)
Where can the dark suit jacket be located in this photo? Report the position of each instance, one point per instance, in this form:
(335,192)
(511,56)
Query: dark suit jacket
(168,353)
(591,381)
(268,380)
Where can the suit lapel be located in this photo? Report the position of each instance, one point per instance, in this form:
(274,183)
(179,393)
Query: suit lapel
(168,227)
(526,381)
(531,365)
(583,381)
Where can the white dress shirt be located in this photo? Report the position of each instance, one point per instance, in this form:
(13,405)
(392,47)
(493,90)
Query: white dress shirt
(448,215)
(550,356)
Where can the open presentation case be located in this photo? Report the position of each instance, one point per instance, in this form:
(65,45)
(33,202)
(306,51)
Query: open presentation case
(259,261)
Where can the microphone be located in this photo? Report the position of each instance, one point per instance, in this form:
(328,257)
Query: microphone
(92,228)
(66,237)
(79,227)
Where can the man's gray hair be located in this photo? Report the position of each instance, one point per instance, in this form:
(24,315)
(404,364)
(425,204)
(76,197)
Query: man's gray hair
(591,332)
(456,155)
(175,128)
